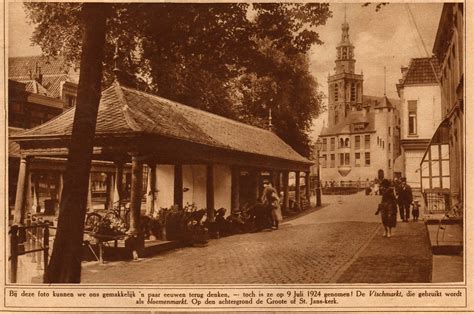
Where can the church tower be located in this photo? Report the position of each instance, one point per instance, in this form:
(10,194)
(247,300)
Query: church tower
(345,86)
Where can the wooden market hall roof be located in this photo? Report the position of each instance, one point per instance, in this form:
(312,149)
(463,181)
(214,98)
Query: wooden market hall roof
(125,112)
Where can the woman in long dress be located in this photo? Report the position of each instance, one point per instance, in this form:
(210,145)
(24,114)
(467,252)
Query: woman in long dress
(388,208)
(271,200)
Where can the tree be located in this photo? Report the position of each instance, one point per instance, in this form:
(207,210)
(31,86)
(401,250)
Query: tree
(197,54)
(65,264)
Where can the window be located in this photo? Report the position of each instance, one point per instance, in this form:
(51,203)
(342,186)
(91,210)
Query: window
(357,142)
(325,144)
(347,110)
(367,159)
(336,92)
(357,159)
(336,116)
(333,143)
(324,161)
(341,159)
(412,117)
(389,147)
(347,158)
(333,160)
(389,164)
(353,92)
(359,127)
(367,141)
(341,142)
(70,101)
(346,142)
(389,131)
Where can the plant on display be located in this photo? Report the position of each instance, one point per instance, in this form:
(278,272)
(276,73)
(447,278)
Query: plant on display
(237,60)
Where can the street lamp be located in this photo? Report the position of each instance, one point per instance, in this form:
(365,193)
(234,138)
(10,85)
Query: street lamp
(318,173)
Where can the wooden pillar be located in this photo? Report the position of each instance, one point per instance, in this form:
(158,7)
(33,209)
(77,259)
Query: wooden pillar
(277,181)
(135,195)
(118,188)
(297,190)
(151,189)
(178,185)
(210,192)
(29,195)
(89,194)
(254,187)
(286,190)
(235,190)
(109,191)
(20,200)
(61,186)
(308,188)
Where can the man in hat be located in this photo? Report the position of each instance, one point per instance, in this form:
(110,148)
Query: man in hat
(405,198)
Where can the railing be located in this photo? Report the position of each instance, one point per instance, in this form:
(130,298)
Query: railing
(437,201)
(31,240)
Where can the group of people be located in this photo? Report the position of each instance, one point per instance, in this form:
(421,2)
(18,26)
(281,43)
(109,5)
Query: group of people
(396,194)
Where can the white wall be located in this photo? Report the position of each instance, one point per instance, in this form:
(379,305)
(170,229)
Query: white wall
(194,179)
(428,99)
(412,164)
(165,186)
(222,187)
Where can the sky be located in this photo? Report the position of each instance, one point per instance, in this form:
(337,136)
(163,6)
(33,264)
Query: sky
(387,38)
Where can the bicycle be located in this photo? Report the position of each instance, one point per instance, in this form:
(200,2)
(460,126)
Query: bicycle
(120,210)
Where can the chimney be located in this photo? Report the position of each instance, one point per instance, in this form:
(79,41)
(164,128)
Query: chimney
(404,70)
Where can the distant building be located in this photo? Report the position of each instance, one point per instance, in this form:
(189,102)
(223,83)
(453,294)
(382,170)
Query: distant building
(361,139)
(39,89)
(443,161)
(420,113)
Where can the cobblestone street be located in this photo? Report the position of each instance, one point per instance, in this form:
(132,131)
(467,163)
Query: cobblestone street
(333,244)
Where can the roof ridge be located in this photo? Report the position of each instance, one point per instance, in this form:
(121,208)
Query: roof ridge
(196,109)
(132,124)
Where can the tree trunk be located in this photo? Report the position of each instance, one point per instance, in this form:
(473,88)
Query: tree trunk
(65,264)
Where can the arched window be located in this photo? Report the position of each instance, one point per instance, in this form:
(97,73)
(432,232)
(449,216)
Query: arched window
(347,142)
(347,110)
(344,53)
(336,116)
(341,142)
(336,92)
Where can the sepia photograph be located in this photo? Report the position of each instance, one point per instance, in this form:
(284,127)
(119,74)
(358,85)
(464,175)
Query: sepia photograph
(230,145)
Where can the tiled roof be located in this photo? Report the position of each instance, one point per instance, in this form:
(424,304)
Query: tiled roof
(421,71)
(13,147)
(54,71)
(356,117)
(123,110)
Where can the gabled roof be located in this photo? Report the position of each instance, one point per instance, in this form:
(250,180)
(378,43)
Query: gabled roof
(421,71)
(13,147)
(123,110)
(54,71)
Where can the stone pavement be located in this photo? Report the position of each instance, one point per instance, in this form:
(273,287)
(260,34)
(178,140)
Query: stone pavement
(340,242)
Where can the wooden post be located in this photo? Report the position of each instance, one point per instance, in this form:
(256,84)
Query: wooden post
(277,181)
(60,188)
(46,245)
(13,253)
(297,190)
(178,185)
(109,191)
(308,188)
(210,192)
(135,195)
(39,242)
(19,214)
(151,189)
(254,188)
(286,190)
(235,190)
(118,189)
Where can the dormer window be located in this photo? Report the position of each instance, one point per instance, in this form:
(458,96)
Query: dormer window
(359,126)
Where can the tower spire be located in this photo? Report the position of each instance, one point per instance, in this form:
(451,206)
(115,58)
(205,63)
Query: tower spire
(384,82)
(270,126)
(345,12)
(116,69)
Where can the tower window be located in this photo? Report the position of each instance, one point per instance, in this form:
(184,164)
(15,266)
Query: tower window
(336,92)
(353,92)
(347,109)
(336,116)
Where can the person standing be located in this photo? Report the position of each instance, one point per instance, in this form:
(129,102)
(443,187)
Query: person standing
(405,198)
(272,202)
(388,208)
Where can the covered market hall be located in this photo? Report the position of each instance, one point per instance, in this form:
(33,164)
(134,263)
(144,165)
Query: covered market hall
(170,153)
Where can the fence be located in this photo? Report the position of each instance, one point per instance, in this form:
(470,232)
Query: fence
(31,241)
(436,201)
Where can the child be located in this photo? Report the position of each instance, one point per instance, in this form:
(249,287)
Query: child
(416,210)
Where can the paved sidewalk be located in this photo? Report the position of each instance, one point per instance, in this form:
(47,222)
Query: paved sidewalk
(404,258)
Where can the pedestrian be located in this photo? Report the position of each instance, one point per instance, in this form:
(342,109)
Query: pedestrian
(387,208)
(272,202)
(415,212)
(405,198)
